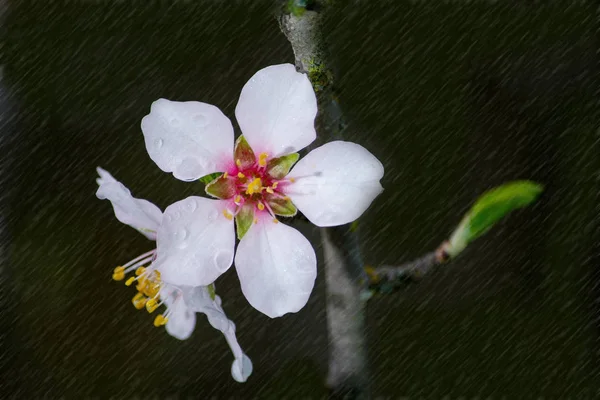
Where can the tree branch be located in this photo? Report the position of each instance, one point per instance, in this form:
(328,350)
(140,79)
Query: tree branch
(386,278)
(344,268)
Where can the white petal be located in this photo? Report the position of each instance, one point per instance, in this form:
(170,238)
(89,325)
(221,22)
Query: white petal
(182,319)
(241,368)
(137,213)
(276,111)
(198,299)
(195,242)
(335,183)
(190,139)
(277,268)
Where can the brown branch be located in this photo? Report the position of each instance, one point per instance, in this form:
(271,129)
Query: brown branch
(386,278)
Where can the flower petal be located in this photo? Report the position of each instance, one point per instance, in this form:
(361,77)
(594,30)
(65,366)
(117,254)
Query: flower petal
(200,301)
(195,242)
(241,368)
(335,183)
(137,213)
(182,319)
(277,268)
(276,111)
(190,139)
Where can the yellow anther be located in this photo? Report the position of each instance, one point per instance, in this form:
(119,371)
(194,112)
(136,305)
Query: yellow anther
(275,185)
(262,159)
(275,220)
(227,215)
(142,283)
(129,281)
(238,163)
(292,180)
(119,274)
(255,186)
(256,220)
(261,206)
(151,306)
(237,198)
(151,291)
(157,276)
(160,320)
(118,277)
(270,190)
(225,175)
(240,175)
(140,271)
(139,301)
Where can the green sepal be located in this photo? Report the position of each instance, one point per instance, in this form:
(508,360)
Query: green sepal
(221,188)
(281,206)
(279,167)
(489,209)
(243,152)
(296,7)
(244,220)
(206,179)
(212,291)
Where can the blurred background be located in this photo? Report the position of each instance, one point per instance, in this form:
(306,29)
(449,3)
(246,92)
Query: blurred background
(452,98)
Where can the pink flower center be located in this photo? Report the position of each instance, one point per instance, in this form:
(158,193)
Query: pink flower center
(255,186)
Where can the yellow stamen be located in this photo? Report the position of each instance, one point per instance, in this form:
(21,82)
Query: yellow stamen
(270,190)
(254,187)
(151,306)
(240,175)
(129,281)
(228,215)
(262,159)
(275,185)
(275,220)
(151,290)
(140,271)
(160,320)
(238,163)
(261,206)
(225,175)
(119,274)
(292,180)
(139,301)
(237,199)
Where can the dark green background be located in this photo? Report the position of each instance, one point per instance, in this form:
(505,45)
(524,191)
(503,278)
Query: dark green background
(453,98)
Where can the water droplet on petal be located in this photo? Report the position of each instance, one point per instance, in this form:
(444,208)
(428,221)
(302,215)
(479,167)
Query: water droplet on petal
(223,260)
(200,120)
(158,143)
(191,205)
(176,215)
(180,235)
(174,121)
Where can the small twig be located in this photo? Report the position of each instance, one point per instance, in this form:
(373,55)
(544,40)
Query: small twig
(386,278)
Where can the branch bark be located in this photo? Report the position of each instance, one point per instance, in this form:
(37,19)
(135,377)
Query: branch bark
(344,268)
(386,278)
